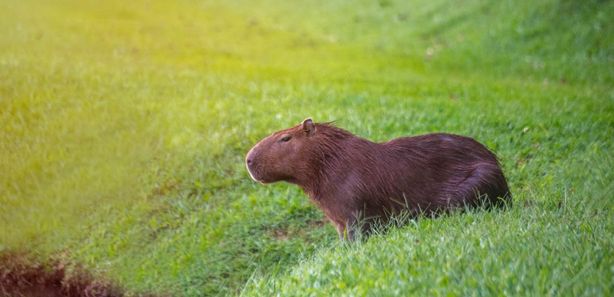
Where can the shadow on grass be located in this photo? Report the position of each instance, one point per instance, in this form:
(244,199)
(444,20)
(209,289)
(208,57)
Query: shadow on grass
(379,227)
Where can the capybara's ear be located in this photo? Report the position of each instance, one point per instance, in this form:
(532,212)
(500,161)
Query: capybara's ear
(309,127)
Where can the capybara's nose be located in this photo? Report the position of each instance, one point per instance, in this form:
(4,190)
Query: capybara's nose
(249,161)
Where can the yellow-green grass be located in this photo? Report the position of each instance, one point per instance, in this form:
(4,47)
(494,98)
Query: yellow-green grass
(123,127)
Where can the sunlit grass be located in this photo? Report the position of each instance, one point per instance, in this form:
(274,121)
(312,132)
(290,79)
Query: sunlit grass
(123,127)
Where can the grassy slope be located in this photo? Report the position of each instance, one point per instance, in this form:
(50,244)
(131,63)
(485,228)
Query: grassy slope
(123,128)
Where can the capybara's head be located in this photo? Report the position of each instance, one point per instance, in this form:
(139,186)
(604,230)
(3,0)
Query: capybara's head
(282,155)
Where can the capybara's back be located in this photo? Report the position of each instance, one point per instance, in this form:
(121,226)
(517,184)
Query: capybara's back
(442,171)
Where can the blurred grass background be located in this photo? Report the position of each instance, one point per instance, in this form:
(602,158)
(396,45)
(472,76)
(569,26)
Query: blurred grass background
(123,127)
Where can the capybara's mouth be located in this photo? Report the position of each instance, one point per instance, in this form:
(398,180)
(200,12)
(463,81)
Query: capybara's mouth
(256,176)
(253,174)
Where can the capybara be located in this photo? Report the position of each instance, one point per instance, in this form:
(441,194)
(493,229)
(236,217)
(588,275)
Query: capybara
(356,181)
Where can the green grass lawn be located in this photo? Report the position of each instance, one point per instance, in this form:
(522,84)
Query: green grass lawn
(124,124)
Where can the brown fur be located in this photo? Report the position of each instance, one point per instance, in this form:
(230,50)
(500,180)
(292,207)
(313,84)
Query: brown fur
(352,179)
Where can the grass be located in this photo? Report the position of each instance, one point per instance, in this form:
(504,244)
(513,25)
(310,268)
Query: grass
(123,128)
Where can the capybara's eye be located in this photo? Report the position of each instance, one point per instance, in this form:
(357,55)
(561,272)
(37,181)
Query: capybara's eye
(285,138)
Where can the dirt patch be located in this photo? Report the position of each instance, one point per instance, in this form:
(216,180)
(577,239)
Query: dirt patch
(317,223)
(22,276)
(287,232)
(280,234)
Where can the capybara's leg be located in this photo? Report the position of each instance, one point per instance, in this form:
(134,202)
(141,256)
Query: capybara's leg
(340,231)
(353,226)
(347,231)
(485,186)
